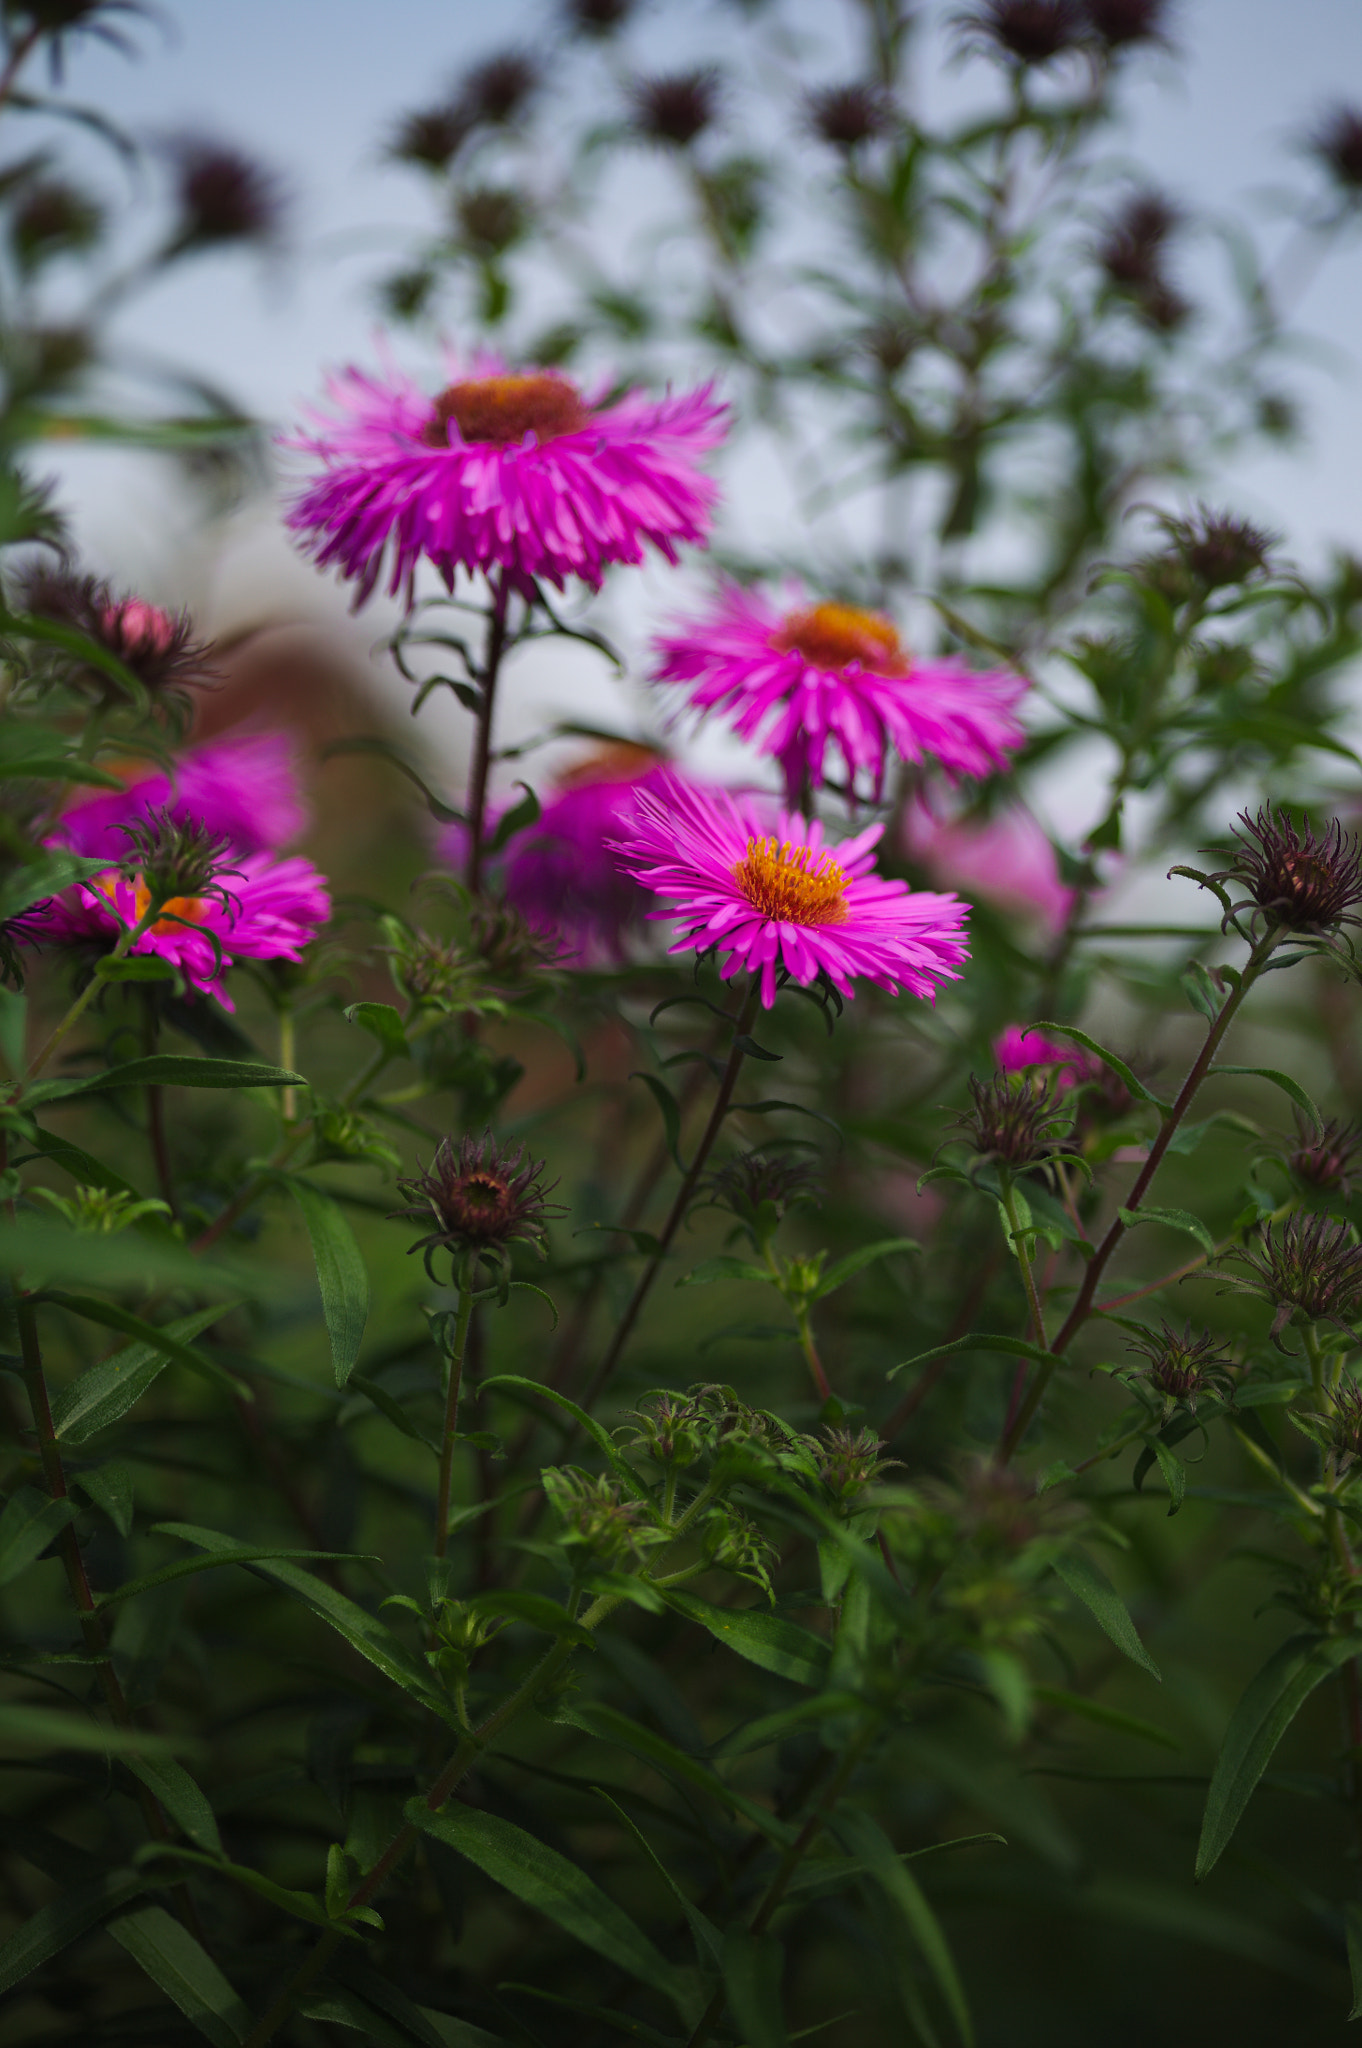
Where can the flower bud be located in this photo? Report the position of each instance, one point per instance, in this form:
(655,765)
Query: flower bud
(1120,23)
(595,1515)
(1028,31)
(1219,550)
(478,1198)
(676,107)
(1015,1119)
(847,115)
(760,1189)
(494,92)
(598,17)
(849,1460)
(223,196)
(1323,1161)
(1309,1266)
(1307,881)
(1181,1367)
(430,136)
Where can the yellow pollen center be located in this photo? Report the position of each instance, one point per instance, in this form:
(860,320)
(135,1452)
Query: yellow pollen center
(834,635)
(792,884)
(176,911)
(506,408)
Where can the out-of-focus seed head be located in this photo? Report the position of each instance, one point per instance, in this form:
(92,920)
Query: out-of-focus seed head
(1182,1366)
(1015,1119)
(1325,1161)
(478,1198)
(1120,24)
(1336,143)
(1027,31)
(760,1187)
(1308,881)
(495,92)
(51,219)
(1131,253)
(490,218)
(430,136)
(223,196)
(598,17)
(676,106)
(1309,1266)
(848,115)
(1218,549)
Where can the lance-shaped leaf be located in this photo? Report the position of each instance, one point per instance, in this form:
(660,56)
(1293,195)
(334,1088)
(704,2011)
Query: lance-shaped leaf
(48,1728)
(1128,1078)
(1092,1586)
(182,1799)
(765,1639)
(57,1925)
(169,1070)
(754,1965)
(154,1335)
(384,1023)
(30,1521)
(342,1275)
(1015,1347)
(1270,1704)
(1172,1219)
(106,1392)
(603,1441)
(1288,1087)
(541,1878)
(857,1261)
(178,1965)
(864,1839)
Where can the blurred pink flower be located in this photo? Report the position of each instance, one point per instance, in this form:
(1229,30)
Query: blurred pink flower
(503,469)
(784,902)
(1006,858)
(262,909)
(242,789)
(1022,1046)
(799,682)
(560,874)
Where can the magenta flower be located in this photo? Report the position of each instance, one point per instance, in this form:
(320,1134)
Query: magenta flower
(258,909)
(1021,1047)
(513,470)
(799,682)
(242,789)
(1006,858)
(560,874)
(781,902)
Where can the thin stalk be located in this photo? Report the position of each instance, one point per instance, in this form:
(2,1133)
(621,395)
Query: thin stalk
(1024,1264)
(1097,1265)
(288,1107)
(682,1203)
(482,744)
(451,1429)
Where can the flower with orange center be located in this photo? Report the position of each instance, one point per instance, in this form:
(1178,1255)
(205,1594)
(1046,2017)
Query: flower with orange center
(781,904)
(511,470)
(832,677)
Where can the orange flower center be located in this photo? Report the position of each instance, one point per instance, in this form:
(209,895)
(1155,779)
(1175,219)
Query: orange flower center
(834,635)
(176,911)
(792,884)
(503,409)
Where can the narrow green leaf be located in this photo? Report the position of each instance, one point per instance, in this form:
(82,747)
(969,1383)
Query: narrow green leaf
(1269,1705)
(110,1488)
(519,818)
(856,1262)
(55,1926)
(169,1070)
(1174,1472)
(724,1268)
(143,967)
(769,1728)
(181,1797)
(49,1728)
(765,1639)
(1104,1716)
(81,1166)
(190,1979)
(706,1936)
(1278,1080)
(30,1521)
(301,1905)
(671,1114)
(362,1630)
(865,1839)
(1173,1219)
(618,1731)
(537,1611)
(603,1441)
(1126,1075)
(342,1275)
(157,1337)
(1015,1347)
(1090,1585)
(753,1967)
(106,1392)
(189,1567)
(543,1879)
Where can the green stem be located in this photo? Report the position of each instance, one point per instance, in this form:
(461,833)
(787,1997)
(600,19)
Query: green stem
(1024,1262)
(451,1430)
(676,1216)
(1097,1265)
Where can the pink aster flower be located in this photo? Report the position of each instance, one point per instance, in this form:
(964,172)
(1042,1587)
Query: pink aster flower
(243,789)
(783,902)
(799,682)
(560,874)
(259,909)
(1021,1047)
(517,470)
(1007,858)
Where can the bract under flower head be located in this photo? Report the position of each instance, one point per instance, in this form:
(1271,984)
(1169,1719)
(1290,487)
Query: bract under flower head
(1310,1266)
(833,676)
(1308,881)
(517,471)
(242,789)
(781,903)
(1182,1366)
(263,909)
(477,1197)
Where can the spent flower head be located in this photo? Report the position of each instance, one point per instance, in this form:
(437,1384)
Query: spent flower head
(430,136)
(1308,1267)
(1308,881)
(478,1199)
(497,90)
(1182,1366)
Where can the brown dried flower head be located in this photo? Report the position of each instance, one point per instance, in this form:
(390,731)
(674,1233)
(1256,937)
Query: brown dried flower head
(1182,1366)
(847,115)
(1027,31)
(478,1198)
(1308,881)
(1309,1265)
(1336,142)
(676,106)
(223,196)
